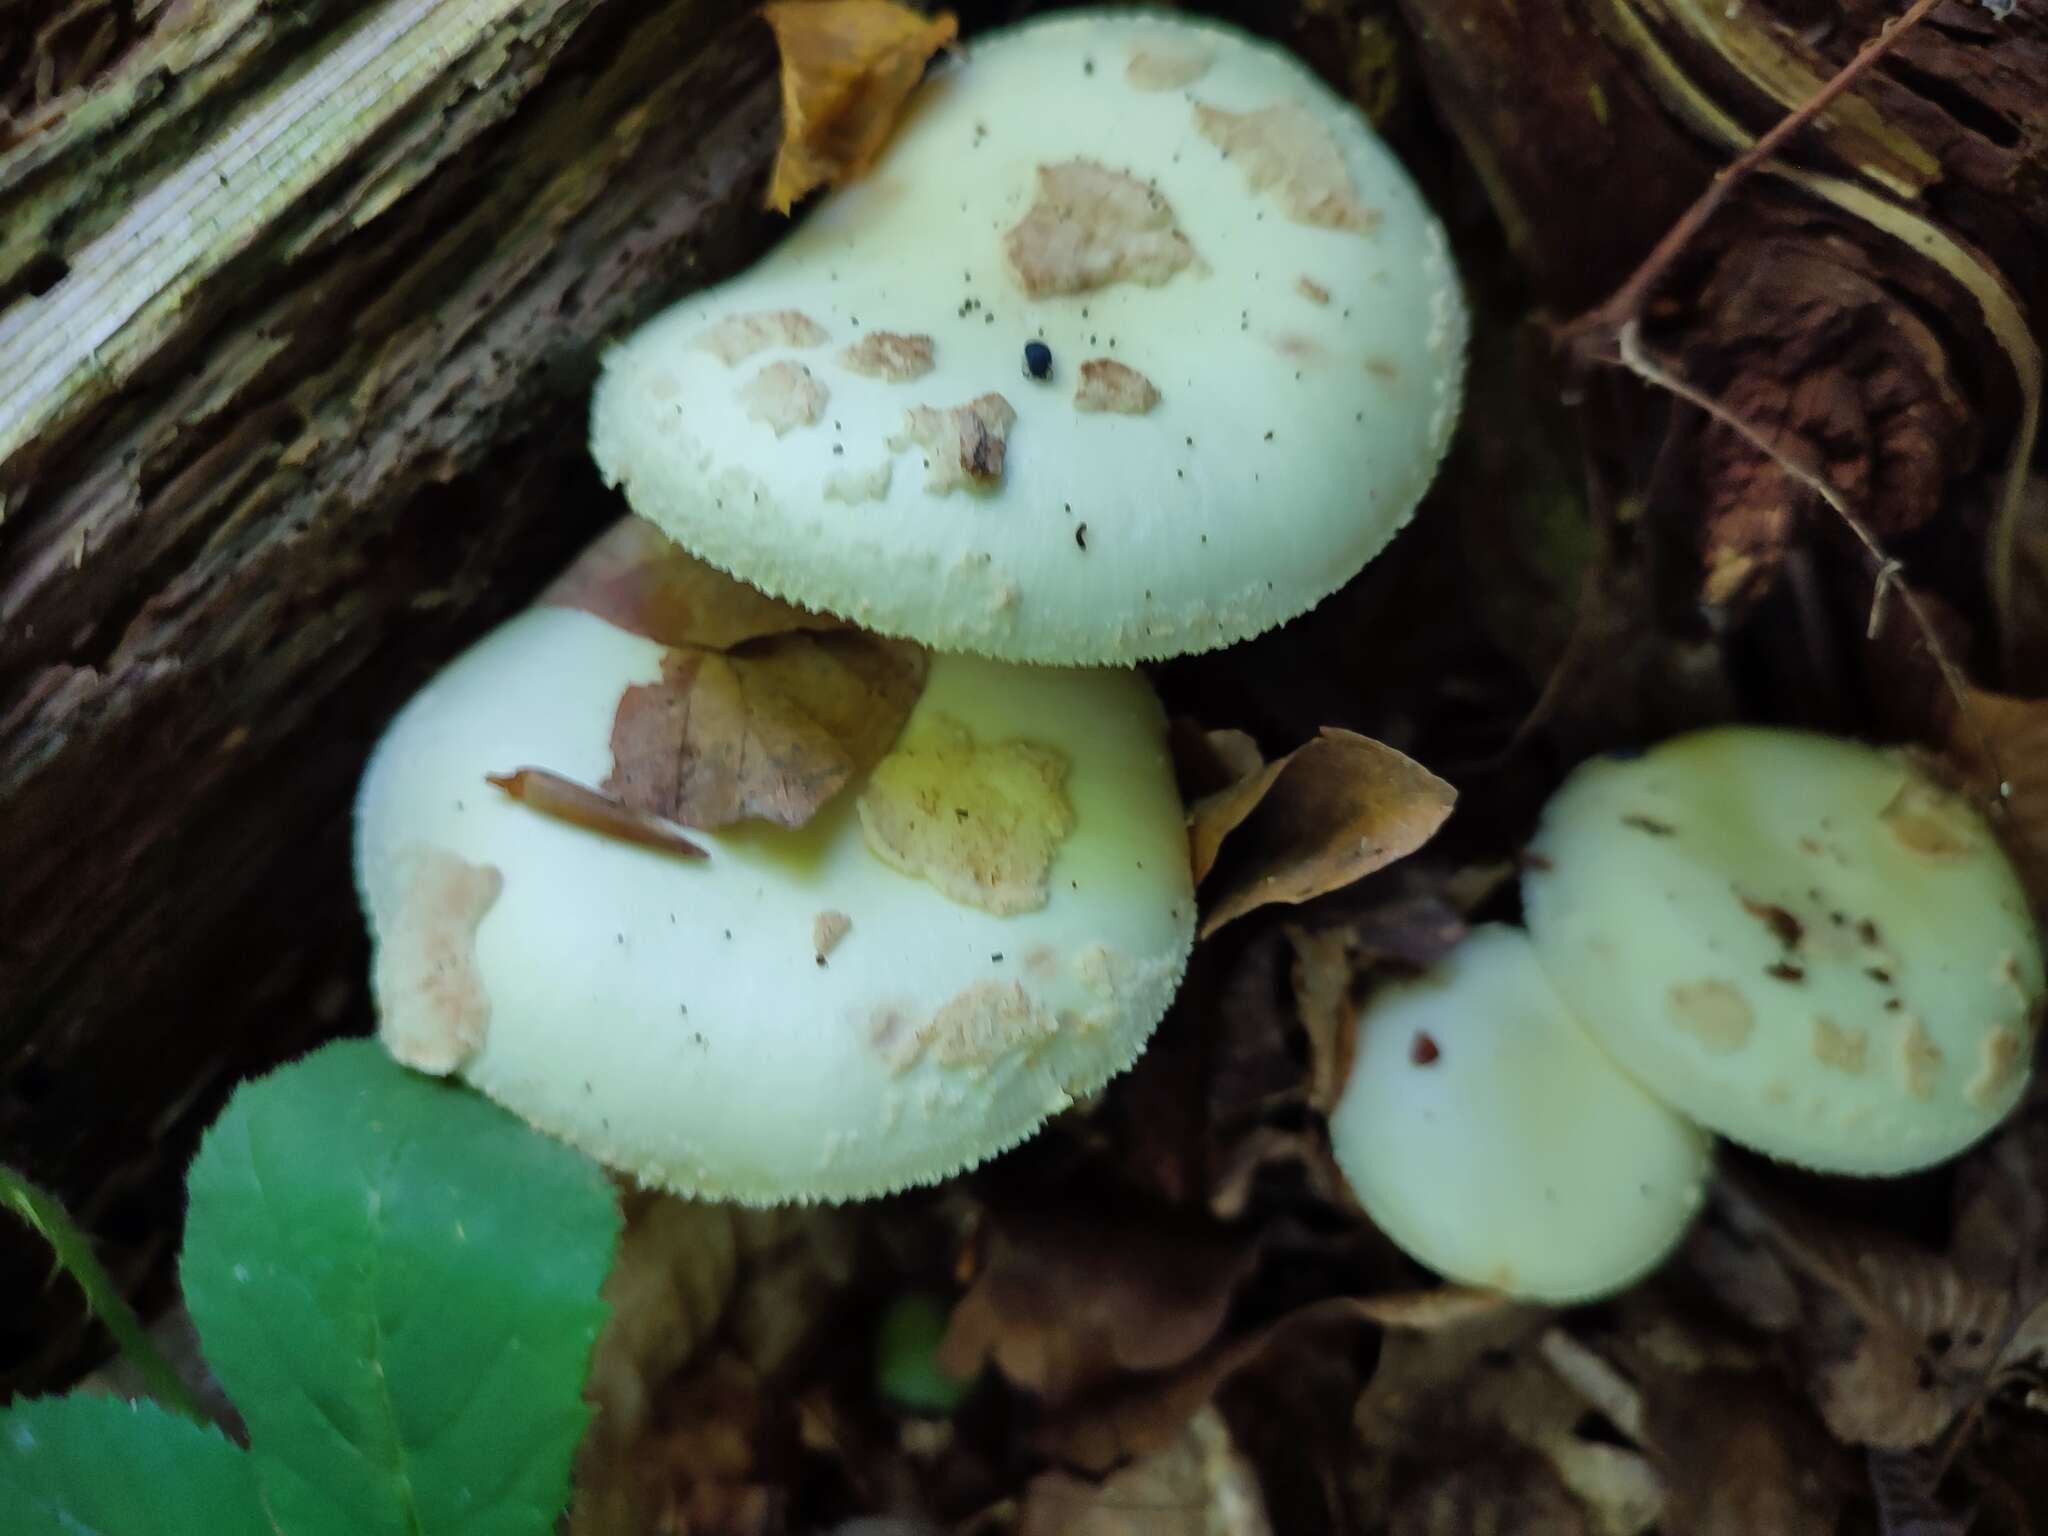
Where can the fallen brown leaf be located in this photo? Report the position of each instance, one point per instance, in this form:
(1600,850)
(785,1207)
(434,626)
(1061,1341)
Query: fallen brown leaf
(1330,812)
(1068,1300)
(1144,1415)
(1200,1485)
(2016,731)
(773,730)
(847,68)
(638,579)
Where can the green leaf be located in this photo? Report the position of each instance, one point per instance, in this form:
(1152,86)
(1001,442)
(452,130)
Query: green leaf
(398,1283)
(98,1466)
(73,1250)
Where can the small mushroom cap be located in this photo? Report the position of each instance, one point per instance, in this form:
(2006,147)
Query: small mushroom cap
(1202,221)
(672,1016)
(1486,1133)
(1802,942)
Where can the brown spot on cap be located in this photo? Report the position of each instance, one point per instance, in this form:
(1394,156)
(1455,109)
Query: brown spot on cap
(981,822)
(1920,1059)
(965,445)
(1931,823)
(1107,385)
(1091,226)
(1713,1013)
(980,1026)
(1312,290)
(1785,928)
(785,396)
(1998,1064)
(856,486)
(738,337)
(1286,150)
(890,355)
(827,929)
(1649,824)
(1297,348)
(432,1008)
(1166,66)
(1423,1050)
(1385,369)
(1846,1050)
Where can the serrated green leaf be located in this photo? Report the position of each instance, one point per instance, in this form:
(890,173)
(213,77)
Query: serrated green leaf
(398,1283)
(98,1466)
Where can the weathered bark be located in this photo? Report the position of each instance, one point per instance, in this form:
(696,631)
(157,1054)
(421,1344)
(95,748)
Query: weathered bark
(227,555)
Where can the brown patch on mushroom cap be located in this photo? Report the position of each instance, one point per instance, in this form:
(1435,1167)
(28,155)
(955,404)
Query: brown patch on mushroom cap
(1930,822)
(1107,385)
(785,396)
(856,486)
(738,337)
(890,355)
(1091,226)
(1846,1050)
(1713,1013)
(1311,290)
(432,1007)
(1920,1059)
(1286,149)
(965,445)
(980,1026)
(1998,1063)
(982,823)
(1385,369)
(1166,68)
(1298,348)
(827,929)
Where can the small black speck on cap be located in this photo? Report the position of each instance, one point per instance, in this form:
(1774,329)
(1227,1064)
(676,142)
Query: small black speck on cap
(1037,360)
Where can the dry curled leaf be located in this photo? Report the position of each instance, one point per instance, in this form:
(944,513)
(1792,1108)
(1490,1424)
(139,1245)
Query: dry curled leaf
(1200,1485)
(1328,813)
(638,579)
(847,68)
(2016,732)
(763,709)
(773,730)
(1069,1300)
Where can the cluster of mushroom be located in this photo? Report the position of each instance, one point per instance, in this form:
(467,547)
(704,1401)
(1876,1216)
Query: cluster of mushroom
(1803,944)
(1136,342)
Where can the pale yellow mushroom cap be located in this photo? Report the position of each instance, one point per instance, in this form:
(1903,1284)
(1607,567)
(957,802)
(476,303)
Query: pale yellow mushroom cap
(1256,337)
(1802,942)
(1484,1131)
(985,929)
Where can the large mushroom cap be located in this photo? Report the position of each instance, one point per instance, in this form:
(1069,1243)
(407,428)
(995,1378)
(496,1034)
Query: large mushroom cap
(1804,943)
(797,1016)
(1255,343)
(1486,1133)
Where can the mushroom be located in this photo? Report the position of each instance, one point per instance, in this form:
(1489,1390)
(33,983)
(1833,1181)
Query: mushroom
(1487,1135)
(1137,342)
(982,931)
(1803,943)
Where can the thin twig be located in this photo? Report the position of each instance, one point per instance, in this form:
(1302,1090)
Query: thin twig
(1625,304)
(1886,573)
